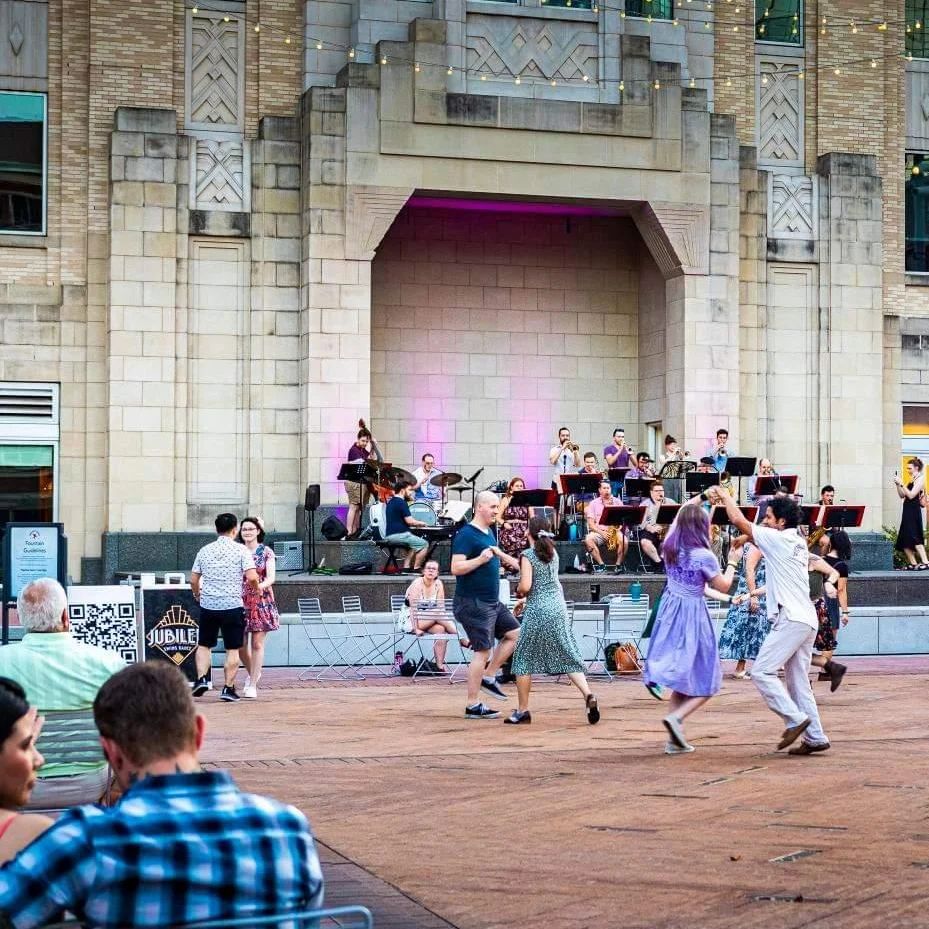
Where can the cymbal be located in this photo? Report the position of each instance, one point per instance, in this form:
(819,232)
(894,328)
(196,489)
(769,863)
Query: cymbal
(461,487)
(445,480)
(401,474)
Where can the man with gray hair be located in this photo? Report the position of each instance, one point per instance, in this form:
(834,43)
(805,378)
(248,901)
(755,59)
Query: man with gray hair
(58,674)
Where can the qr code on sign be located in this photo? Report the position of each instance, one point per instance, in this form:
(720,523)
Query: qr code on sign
(107,625)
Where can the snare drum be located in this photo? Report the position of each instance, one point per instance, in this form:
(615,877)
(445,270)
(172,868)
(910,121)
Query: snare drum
(425,512)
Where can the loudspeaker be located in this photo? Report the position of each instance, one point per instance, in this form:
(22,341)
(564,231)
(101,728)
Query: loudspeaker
(311,500)
(333,529)
(288,555)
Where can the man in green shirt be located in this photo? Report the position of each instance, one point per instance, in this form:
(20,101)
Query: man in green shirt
(58,673)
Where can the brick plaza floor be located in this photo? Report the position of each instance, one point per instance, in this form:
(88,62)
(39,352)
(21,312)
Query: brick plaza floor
(431,820)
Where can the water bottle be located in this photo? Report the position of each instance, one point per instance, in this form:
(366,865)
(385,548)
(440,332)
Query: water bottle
(635,591)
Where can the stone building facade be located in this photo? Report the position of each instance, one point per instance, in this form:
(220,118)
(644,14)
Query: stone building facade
(467,222)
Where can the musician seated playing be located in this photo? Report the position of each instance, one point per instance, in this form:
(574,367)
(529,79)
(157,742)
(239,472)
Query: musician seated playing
(399,522)
(643,467)
(599,535)
(652,533)
(425,490)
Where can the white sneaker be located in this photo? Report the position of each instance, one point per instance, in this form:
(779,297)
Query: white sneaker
(672,749)
(675,730)
(248,680)
(250,691)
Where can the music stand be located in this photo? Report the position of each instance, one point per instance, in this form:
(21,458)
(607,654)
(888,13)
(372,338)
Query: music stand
(843,517)
(577,484)
(696,482)
(767,484)
(638,487)
(530,498)
(675,470)
(719,516)
(811,514)
(667,513)
(626,517)
(740,467)
(357,472)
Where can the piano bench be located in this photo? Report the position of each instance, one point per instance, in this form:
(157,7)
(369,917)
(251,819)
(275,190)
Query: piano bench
(392,566)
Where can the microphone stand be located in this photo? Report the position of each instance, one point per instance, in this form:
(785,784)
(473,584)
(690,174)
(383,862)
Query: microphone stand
(472,480)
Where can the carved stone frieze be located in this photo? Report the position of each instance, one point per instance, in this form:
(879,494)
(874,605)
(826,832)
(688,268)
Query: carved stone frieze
(215,71)
(369,212)
(792,206)
(220,175)
(780,112)
(678,236)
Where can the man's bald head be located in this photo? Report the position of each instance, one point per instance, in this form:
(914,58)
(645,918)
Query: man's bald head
(486,505)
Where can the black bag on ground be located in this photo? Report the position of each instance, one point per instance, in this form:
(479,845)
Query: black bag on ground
(357,567)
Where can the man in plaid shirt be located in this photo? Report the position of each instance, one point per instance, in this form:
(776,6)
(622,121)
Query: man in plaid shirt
(181,846)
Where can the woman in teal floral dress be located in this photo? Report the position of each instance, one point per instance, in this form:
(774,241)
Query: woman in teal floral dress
(747,623)
(546,643)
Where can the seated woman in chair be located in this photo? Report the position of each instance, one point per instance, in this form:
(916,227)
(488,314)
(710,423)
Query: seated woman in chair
(427,593)
(19,761)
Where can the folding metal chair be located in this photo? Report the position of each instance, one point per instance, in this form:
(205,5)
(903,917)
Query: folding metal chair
(624,622)
(340,917)
(439,610)
(351,604)
(379,642)
(336,641)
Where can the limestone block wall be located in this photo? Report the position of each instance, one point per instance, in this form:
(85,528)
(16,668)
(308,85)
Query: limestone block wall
(492,329)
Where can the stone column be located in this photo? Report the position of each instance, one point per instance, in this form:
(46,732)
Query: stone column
(853,328)
(141,325)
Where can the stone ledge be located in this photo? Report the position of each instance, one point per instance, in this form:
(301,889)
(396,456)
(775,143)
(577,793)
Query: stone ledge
(144,119)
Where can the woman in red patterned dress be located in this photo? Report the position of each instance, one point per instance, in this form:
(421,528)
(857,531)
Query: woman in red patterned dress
(261,616)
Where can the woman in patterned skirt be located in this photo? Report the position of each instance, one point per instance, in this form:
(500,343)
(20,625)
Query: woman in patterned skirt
(747,622)
(546,643)
(512,521)
(261,616)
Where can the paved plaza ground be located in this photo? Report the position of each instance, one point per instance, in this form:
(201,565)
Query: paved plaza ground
(431,820)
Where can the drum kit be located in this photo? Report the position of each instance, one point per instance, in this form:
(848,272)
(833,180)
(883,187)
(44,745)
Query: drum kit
(443,512)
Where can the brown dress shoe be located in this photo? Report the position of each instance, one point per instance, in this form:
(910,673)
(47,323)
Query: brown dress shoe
(792,733)
(809,748)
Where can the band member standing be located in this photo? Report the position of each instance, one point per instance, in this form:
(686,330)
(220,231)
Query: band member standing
(424,474)
(789,644)
(618,455)
(364,448)
(672,451)
(651,533)
(591,466)
(718,451)
(599,535)
(566,458)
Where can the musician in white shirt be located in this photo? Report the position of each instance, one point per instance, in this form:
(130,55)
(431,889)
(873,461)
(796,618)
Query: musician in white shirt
(566,459)
(424,474)
(651,533)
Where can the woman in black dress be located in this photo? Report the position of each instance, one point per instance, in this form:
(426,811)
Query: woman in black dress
(910,537)
(836,549)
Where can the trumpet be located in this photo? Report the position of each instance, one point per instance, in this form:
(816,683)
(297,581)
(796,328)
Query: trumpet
(573,447)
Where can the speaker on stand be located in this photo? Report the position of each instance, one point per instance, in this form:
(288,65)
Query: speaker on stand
(310,506)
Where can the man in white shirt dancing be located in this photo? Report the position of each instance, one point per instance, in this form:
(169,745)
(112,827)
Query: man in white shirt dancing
(789,644)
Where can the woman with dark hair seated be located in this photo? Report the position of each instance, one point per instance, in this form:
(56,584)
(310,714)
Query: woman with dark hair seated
(19,762)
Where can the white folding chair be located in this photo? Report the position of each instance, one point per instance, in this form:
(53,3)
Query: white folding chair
(439,610)
(337,643)
(624,621)
(351,604)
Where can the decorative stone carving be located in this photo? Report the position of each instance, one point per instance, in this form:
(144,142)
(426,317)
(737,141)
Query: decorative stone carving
(24,40)
(780,112)
(220,175)
(792,206)
(545,49)
(677,236)
(215,71)
(369,211)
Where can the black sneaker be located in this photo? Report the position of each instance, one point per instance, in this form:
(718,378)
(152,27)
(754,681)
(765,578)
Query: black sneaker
(201,686)
(490,686)
(480,711)
(516,718)
(229,695)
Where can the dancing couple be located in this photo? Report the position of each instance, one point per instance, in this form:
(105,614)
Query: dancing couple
(683,653)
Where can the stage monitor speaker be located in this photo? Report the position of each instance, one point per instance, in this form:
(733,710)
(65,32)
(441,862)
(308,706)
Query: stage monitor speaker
(311,501)
(333,529)
(288,555)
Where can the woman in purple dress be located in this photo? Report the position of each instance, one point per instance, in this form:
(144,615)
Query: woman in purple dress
(261,616)
(682,653)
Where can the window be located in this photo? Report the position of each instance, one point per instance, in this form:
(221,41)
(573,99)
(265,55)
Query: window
(22,163)
(779,21)
(917,44)
(656,9)
(572,4)
(916,198)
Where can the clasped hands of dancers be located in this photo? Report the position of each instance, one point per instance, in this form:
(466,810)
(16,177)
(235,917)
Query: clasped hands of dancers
(683,655)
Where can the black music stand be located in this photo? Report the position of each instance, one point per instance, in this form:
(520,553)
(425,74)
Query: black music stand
(719,516)
(667,513)
(361,471)
(574,485)
(624,517)
(637,488)
(530,498)
(696,482)
(767,484)
(843,517)
(740,467)
(675,470)
(811,514)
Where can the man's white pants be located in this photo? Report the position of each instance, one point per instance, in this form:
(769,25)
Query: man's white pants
(789,644)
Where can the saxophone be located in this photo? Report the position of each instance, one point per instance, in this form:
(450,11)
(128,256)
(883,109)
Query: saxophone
(612,538)
(812,540)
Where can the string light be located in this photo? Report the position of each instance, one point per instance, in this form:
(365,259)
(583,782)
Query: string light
(483,77)
(195,11)
(257,27)
(287,40)
(351,52)
(517,79)
(622,87)
(554,83)
(764,78)
(873,62)
(882,27)
(854,28)
(416,67)
(450,70)
(693,82)
(383,59)
(226,19)
(837,71)
(657,84)
(586,78)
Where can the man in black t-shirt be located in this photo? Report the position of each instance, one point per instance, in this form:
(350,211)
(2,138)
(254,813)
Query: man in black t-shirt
(397,525)
(476,567)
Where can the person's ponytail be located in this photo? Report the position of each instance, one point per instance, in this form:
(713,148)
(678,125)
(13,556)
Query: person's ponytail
(541,530)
